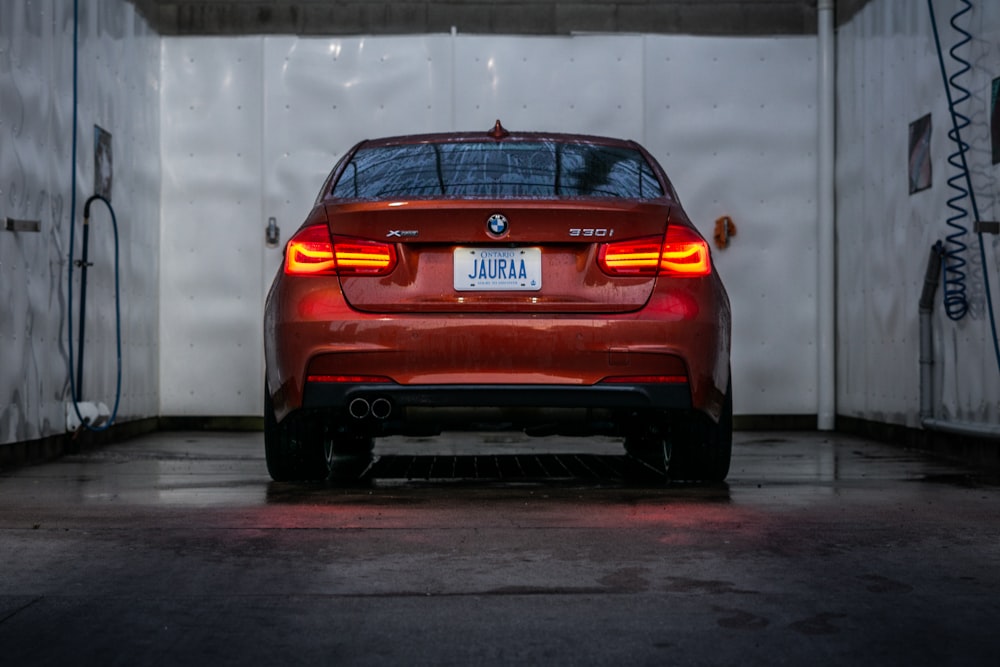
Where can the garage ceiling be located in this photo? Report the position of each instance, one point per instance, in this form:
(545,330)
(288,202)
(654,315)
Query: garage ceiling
(539,17)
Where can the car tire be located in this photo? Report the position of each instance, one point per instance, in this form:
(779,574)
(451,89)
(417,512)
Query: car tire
(703,448)
(293,448)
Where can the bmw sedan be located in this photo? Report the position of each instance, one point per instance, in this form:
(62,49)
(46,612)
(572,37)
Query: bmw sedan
(538,282)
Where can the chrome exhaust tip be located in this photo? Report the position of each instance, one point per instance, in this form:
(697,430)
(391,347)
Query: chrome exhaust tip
(359,408)
(381,408)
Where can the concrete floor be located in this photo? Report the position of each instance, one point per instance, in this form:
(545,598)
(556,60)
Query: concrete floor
(175,548)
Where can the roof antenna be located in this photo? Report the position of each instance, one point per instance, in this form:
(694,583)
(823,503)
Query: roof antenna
(499,131)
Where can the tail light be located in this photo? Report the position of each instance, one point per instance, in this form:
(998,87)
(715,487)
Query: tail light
(645,379)
(310,252)
(681,252)
(637,257)
(351,379)
(357,256)
(685,253)
(314,252)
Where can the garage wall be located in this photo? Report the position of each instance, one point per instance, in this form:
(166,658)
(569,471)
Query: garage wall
(498,17)
(251,126)
(889,76)
(119,90)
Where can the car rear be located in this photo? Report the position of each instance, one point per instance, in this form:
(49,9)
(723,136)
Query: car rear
(545,283)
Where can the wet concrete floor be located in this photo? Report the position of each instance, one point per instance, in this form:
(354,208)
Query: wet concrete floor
(176,548)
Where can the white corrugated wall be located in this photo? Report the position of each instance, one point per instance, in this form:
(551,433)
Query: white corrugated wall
(246,128)
(119,61)
(889,76)
(251,126)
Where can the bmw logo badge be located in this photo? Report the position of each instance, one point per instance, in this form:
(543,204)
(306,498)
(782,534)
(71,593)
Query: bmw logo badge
(497,224)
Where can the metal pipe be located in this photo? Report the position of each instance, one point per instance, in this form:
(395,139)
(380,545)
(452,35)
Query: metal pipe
(83,264)
(826,261)
(932,275)
(381,408)
(926,366)
(962,428)
(359,408)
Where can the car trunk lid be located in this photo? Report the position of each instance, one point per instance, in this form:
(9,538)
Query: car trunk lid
(498,256)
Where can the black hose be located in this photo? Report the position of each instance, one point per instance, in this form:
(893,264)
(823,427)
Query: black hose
(75,390)
(83,263)
(931,278)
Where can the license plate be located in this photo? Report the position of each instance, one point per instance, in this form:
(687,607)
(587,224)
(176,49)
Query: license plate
(497,269)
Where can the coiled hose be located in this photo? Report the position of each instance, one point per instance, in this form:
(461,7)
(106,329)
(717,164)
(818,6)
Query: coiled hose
(956,302)
(955,299)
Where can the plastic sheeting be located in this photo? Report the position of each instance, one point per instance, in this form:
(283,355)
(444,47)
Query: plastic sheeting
(119,63)
(251,127)
(888,77)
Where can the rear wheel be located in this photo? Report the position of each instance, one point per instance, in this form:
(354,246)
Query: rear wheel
(293,448)
(704,448)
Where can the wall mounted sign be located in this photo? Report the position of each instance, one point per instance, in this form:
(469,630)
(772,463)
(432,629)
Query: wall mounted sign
(920,154)
(102,162)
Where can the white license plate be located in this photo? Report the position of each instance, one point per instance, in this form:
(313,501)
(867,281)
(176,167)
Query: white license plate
(496,269)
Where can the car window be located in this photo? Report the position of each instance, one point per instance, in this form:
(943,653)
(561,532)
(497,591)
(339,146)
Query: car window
(542,169)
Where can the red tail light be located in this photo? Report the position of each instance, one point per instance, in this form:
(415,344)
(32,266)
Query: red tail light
(357,256)
(350,379)
(310,252)
(685,253)
(638,257)
(645,379)
(682,252)
(313,252)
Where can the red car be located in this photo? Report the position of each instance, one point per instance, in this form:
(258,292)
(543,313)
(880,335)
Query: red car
(541,282)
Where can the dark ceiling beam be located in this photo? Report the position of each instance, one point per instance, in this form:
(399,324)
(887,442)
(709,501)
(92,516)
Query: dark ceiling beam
(530,17)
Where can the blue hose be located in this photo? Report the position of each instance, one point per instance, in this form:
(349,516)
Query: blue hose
(83,296)
(955,299)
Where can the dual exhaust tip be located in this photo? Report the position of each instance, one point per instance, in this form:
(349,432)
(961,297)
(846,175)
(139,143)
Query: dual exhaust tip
(360,408)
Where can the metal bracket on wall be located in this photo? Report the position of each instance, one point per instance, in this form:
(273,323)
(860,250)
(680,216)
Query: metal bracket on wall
(986,227)
(14,225)
(273,234)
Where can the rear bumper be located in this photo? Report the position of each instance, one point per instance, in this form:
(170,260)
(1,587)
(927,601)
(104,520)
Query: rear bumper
(675,396)
(512,360)
(387,409)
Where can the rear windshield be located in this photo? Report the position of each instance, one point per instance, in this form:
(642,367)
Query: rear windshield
(543,169)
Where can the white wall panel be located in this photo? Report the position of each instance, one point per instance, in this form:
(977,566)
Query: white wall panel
(591,84)
(321,96)
(251,125)
(733,121)
(888,76)
(118,74)
(211,226)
